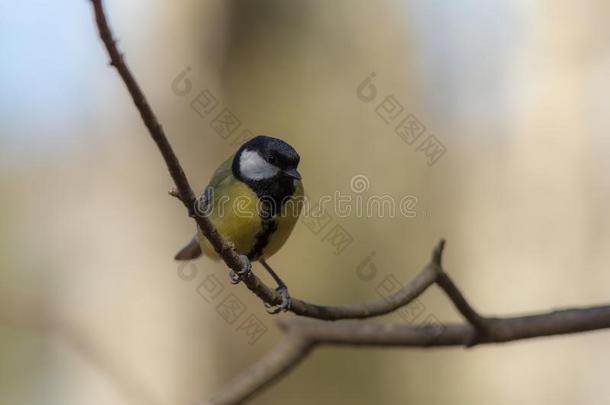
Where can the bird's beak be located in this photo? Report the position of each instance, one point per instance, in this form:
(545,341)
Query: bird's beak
(293,173)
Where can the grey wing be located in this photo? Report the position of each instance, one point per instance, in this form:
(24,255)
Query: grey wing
(193,249)
(224,172)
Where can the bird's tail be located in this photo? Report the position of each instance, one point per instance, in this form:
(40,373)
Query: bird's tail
(191,251)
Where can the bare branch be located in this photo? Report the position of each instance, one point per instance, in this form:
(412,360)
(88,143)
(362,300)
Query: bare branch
(149,118)
(355,333)
(184,192)
(479,330)
(279,361)
(508,329)
(183,188)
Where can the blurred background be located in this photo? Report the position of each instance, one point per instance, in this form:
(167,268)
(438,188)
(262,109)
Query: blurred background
(510,94)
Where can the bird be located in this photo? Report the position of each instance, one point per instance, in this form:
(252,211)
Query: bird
(254,200)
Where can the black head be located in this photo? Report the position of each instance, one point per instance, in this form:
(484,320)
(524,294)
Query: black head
(264,159)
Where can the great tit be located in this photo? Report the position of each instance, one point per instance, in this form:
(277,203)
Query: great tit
(254,200)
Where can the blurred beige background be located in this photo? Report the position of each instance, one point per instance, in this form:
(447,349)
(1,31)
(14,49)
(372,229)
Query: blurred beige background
(94,310)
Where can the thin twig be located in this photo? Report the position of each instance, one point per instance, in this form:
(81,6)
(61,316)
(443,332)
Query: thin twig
(173,192)
(383,306)
(454,294)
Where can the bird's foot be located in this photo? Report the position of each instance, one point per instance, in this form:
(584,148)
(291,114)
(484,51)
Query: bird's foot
(284,305)
(237,277)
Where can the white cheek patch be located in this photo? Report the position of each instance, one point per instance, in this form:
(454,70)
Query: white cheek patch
(252,166)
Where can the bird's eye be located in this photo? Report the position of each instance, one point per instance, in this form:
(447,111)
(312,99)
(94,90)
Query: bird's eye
(271,159)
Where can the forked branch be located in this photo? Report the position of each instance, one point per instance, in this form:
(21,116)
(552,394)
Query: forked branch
(301,335)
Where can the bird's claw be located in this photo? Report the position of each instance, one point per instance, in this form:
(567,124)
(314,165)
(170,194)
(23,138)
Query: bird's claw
(284,305)
(237,277)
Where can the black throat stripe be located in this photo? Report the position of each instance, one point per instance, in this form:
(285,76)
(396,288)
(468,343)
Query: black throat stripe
(269,226)
(273,194)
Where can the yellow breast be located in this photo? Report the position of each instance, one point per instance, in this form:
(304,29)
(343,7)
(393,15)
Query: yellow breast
(235,213)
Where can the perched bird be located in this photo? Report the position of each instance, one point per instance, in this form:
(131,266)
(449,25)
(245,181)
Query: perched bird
(254,200)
